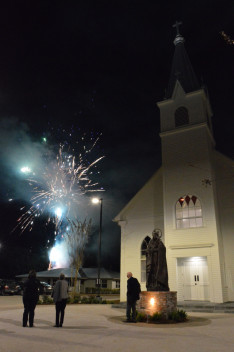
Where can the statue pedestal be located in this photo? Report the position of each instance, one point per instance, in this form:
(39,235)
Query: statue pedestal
(163,302)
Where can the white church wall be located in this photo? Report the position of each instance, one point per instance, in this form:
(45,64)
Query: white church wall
(184,174)
(188,164)
(131,239)
(137,220)
(225,193)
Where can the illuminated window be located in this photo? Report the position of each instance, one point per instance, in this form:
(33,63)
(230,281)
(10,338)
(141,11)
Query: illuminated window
(181,117)
(143,258)
(188,212)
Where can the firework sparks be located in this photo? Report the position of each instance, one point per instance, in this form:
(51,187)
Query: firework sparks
(58,187)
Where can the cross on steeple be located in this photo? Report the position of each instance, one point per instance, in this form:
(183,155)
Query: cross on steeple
(176,25)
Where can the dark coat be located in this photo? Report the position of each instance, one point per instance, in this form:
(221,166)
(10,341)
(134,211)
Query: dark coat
(133,289)
(31,290)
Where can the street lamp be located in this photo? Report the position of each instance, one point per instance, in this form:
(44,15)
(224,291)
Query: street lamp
(96,201)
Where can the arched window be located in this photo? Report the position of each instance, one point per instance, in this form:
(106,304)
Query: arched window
(188,212)
(181,116)
(144,245)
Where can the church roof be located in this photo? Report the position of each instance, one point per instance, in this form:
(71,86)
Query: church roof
(182,69)
(138,196)
(84,273)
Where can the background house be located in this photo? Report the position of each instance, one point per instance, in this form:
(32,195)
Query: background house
(87,278)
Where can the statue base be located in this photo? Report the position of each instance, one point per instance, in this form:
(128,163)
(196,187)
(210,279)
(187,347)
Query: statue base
(163,302)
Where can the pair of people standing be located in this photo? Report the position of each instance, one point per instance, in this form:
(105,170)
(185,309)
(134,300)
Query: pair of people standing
(31,297)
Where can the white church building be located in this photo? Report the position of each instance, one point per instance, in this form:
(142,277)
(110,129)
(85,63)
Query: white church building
(190,198)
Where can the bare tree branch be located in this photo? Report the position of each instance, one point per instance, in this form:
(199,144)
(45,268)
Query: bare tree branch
(76,238)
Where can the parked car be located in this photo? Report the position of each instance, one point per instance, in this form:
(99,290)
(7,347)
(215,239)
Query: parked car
(19,288)
(8,287)
(45,288)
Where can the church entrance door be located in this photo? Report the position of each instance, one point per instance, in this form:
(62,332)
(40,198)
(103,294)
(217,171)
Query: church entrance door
(195,278)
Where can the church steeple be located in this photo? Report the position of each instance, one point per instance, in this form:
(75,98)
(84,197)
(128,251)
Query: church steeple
(187,103)
(182,70)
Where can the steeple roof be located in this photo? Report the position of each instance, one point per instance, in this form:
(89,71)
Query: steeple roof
(181,68)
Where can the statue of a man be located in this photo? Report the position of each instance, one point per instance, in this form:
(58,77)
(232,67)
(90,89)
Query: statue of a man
(156,264)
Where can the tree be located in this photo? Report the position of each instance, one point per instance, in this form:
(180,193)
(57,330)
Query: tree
(76,238)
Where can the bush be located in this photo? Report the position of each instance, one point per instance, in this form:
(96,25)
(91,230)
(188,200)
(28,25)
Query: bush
(102,290)
(95,300)
(179,316)
(46,300)
(74,299)
(84,300)
(141,317)
(89,300)
(155,317)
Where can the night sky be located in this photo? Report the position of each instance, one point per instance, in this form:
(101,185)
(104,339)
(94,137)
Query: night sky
(101,66)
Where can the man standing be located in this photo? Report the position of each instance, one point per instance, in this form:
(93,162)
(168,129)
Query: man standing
(30,298)
(60,295)
(133,291)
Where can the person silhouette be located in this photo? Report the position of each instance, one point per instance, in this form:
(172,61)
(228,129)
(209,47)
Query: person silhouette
(30,298)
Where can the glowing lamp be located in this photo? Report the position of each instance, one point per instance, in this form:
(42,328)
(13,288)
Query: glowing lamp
(152,301)
(95,200)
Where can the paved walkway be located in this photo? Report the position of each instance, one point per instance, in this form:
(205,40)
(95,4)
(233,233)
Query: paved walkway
(200,306)
(100,328)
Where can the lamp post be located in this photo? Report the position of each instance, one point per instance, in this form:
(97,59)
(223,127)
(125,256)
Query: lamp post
(96,201)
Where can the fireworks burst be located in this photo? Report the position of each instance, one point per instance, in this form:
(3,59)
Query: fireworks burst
(58,187)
